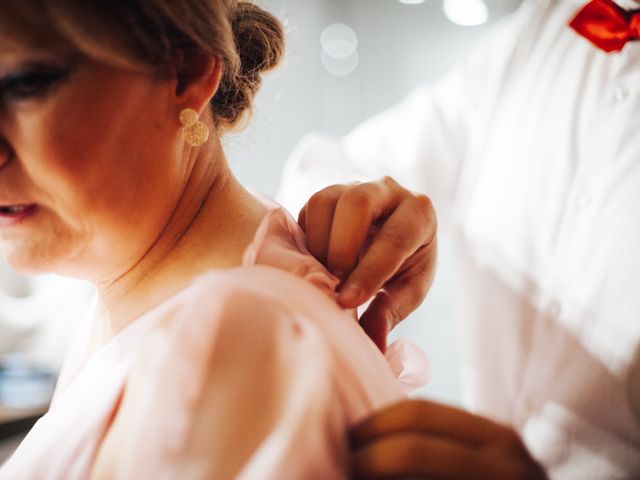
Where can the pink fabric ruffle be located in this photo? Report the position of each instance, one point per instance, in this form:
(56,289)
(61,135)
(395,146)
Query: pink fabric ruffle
(409,364)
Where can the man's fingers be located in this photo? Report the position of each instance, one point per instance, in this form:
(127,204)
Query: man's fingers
(357,209)
(398,239)
(374,236)
(318,218)
(302,218)
(390,306)
(376,321)
(401,295)
(421,439)
(422,416)
(414,455)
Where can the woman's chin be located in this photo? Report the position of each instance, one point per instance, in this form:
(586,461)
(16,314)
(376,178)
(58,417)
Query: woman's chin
(26,260)
(23,266)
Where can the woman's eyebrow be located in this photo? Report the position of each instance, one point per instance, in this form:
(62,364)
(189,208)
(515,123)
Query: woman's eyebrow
(28,59)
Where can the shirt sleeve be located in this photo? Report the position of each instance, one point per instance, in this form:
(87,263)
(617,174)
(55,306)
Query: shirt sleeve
(423,141)
(237,387)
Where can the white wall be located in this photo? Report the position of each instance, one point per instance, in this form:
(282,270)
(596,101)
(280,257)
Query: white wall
(400,46)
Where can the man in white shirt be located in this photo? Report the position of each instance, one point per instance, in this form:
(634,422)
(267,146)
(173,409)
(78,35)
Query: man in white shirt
(530,151)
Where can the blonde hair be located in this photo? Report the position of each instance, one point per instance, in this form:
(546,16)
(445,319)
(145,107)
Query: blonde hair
(156,34)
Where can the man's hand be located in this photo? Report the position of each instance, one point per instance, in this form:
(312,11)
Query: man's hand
(380,240)
(425,440)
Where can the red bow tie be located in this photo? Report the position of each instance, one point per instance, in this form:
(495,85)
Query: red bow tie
(607,25)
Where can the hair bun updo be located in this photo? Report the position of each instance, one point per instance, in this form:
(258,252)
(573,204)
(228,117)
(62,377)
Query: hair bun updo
(259,41)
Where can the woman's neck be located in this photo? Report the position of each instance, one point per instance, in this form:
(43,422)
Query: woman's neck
(211,227)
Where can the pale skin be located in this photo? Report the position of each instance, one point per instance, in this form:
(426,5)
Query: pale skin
(120,200)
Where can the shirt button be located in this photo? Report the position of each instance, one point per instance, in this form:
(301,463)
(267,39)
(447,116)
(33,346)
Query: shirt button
(554,309)
(620,93)
(583,200)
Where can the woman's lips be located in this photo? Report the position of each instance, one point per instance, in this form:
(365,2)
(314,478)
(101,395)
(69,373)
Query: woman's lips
(11,215)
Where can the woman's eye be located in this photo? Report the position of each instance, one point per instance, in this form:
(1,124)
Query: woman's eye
(30,85)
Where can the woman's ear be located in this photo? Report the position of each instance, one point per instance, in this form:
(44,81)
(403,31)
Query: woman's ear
(198,77)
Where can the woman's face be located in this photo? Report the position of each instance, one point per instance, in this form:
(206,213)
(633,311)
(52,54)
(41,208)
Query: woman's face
(89,164)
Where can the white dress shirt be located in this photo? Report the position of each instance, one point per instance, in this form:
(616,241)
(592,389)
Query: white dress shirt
(531,152)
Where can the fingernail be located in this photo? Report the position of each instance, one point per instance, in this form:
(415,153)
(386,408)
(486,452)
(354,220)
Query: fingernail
(350,294)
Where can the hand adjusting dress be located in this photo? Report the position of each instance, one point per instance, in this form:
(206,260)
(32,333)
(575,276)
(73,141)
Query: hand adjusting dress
(249,373)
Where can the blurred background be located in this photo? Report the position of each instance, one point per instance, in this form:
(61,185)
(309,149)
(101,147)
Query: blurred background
(346,60)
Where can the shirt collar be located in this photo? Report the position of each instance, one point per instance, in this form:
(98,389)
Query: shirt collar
(628,4)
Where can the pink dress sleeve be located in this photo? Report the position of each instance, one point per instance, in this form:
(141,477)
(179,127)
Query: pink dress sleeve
(239,387)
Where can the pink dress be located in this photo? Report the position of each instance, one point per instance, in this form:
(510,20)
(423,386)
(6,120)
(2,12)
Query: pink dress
(285,373)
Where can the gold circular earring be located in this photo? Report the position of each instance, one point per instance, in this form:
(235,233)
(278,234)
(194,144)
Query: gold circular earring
(195,132)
